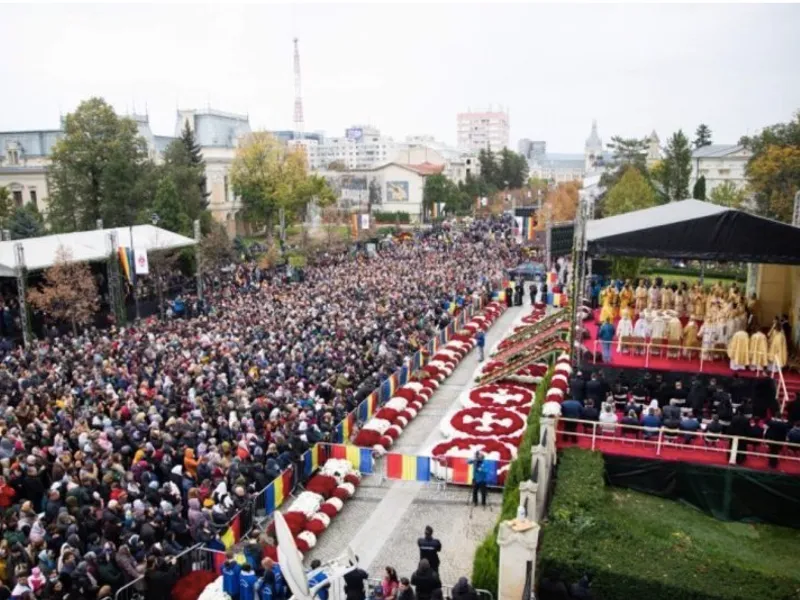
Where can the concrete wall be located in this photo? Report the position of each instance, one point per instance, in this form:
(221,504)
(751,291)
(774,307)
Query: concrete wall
(775,292)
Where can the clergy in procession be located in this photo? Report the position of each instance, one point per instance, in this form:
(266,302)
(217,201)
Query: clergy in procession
(698,303)
(624,329)
(739,351)
(709,335)
(667,295)
(778,350)
(641,297)
(691,341)
(625,296)
(759,353)
(641,331)
(674,334)
(654,298)
(679,300)
(609,299)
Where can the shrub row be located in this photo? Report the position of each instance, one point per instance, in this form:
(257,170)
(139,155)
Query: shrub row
(486,562)
(717,274)
(392,217)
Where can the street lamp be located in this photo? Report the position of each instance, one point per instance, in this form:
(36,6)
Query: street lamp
(154,219)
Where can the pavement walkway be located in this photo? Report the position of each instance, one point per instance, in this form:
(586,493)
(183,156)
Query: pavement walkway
(383,520)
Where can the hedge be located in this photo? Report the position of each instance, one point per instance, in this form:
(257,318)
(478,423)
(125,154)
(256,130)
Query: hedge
(392,217)
(717,274)
(638,546)
(486,562)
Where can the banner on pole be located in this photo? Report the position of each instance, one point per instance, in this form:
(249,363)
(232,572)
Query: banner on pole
(142,264)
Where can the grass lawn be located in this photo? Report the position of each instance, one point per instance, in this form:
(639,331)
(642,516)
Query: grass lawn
(640,546)
(692,279)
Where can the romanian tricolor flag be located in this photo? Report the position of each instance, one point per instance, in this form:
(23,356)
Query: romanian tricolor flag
(126,263)
(312,459)
(462,470)
(529,232)
(408,468)
(367,408)
(278,490)
(360,458)
(233,534)
(345,429)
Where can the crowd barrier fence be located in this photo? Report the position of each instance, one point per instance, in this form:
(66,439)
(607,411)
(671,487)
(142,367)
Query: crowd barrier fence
(655,440)
(440,469)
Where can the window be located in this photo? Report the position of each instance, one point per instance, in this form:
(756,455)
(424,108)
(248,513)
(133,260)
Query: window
(17,195)
(33,197)
(225,183)
(724,172)
(13,156)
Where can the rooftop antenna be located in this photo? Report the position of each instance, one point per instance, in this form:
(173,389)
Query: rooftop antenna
(298,95)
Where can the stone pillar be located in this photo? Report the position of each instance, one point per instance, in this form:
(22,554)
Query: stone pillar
(518,540)
(528,497)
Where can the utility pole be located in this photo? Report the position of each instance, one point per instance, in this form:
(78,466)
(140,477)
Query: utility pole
(22,275)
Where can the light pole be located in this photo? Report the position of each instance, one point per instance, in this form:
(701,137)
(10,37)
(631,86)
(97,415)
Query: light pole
(132,267)
(154,219)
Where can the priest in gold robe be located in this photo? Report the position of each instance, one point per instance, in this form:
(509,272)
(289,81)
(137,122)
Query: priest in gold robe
(739,351)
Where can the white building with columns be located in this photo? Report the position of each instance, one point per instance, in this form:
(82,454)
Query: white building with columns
(720,163)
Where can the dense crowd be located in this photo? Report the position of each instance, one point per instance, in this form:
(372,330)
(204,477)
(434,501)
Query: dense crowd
(119,448)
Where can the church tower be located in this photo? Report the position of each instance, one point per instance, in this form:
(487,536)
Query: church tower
(593,150)
(653,149)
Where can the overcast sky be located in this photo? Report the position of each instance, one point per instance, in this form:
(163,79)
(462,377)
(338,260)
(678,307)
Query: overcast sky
(409,68)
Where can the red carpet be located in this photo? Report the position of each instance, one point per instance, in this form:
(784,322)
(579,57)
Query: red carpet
(716,367)
(695,452)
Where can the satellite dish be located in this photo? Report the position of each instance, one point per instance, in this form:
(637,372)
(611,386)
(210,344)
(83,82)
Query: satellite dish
(289,560)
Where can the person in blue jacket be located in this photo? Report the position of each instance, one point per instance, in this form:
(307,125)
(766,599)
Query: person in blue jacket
(480,342)
(266,585)
(231,571)
(318,578)
(280,587)
(247,583)
(478,479)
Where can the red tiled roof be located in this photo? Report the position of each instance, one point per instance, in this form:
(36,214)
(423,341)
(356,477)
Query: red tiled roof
(426,168)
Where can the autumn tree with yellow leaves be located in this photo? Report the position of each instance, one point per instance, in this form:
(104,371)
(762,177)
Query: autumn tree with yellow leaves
(773,172)
(269,175)
(560,204)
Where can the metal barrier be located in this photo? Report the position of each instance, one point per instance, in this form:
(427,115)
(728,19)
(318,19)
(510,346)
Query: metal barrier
(648,346)
(658,439)
(441,470)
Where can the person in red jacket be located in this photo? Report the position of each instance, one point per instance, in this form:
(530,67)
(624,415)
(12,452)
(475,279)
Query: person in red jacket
(7,494)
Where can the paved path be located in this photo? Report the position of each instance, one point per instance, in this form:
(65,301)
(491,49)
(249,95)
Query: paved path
(383,521)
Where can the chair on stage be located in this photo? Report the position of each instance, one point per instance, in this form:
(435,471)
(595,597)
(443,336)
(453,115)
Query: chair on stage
(625,344)
(657,346)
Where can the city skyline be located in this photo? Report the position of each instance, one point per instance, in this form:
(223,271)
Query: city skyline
(690,65)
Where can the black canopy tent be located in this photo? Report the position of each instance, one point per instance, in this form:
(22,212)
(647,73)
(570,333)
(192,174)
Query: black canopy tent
(694,230)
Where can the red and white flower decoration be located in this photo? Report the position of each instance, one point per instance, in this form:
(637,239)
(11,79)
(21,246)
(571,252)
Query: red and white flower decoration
(502,396)
(484,422)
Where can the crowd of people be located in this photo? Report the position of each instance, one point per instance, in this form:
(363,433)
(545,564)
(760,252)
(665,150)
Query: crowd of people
(121,447)
(684,411)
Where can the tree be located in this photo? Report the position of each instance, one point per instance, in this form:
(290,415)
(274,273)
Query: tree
(677,167)
(170,210)
(195,154)
(775,179)
(702,136)
(216,249)
(513,170)
(337,165)
(188,177)
(98,170)
(490,173)
(6,206)
(699,190)
(438,190)
(25,222)
(626,152)
(69,291)
(727,194)
(773,171)
(632,192)
(560,204)
(269,176)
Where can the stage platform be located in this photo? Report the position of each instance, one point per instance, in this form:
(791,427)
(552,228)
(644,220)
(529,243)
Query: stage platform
(691,365)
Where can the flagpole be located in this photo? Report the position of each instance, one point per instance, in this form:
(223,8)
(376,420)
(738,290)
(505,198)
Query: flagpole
(133,275)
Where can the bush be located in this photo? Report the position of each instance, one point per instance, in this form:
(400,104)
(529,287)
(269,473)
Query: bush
(392,217)
(695,273)
(383,231)
(640,546)
(486,563)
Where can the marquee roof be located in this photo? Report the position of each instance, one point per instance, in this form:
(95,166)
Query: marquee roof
(694,230)
(87,246)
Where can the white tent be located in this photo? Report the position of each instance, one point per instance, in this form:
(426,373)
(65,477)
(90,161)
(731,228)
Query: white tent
(87,246)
